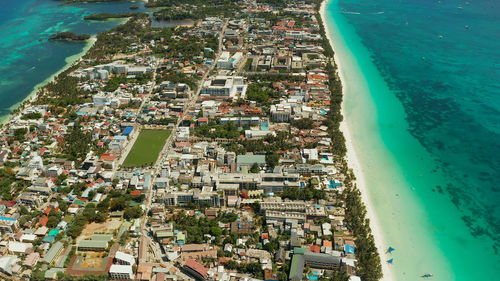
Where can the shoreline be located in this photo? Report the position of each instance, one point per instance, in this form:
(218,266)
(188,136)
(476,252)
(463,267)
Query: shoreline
(33,95)
(352,159)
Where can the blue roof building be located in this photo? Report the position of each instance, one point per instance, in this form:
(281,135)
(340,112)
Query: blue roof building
(127,131)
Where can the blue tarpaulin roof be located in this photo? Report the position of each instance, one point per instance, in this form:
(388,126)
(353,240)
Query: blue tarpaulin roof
(127,130)
(49,239)
(349,249)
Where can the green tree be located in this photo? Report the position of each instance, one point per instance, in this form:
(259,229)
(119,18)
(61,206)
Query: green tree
(255,168)
(133,212)
(54,218)
(272,159)
(118,204)
(76,142)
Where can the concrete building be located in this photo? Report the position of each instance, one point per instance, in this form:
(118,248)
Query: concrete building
(118,271)
(281,112)
(301,258)
(225,87)
(226,61)
(8,224)
(249,160)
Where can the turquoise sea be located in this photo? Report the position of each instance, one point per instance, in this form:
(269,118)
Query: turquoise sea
(422,105)
(28,58)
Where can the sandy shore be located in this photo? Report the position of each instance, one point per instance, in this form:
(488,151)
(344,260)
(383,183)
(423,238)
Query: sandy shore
(353,162)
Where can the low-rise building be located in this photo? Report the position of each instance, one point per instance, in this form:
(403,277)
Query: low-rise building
(119,271)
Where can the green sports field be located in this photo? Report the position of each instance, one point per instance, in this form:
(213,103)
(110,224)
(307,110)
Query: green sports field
(146,148)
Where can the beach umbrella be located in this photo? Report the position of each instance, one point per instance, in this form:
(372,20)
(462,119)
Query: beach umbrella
(390,261)
(390,250)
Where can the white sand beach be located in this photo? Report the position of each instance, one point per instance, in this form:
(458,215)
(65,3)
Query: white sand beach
(354,163)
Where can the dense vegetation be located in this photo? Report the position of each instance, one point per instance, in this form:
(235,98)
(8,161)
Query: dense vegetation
(9,185)
(69,36)
(63,91)
(197,227)
(31,116)
(212,130)
(105,16)
(76,142)
(192,9)
(304,123)
(269,144)
(369,267)
(308,193)
(261,93)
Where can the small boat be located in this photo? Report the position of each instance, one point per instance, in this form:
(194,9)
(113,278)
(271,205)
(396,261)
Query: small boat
(390,249)
(427,275)
(390,261)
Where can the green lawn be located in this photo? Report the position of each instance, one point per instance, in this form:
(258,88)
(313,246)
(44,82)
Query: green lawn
(146,148)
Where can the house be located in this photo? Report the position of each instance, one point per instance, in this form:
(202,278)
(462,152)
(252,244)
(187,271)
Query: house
(20,248)
(32,259)
(108,159)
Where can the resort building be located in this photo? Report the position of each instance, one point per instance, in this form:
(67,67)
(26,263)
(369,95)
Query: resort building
(225,87)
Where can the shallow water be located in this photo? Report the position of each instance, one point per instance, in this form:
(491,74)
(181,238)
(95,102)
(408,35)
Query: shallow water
(28,58)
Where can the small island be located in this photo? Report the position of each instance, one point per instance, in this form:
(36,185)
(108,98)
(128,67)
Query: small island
(69,36)
(105,16)
(134,7)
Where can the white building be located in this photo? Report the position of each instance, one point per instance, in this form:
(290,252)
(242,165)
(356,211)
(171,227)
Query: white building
(226,61)
(103,74)
(118,271)
(257,133)
(124,259)
(100,99)
(225,86)
(281,112)
(183,133)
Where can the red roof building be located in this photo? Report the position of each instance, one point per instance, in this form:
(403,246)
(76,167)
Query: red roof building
(195,268)
(315,248)
(8,204)
(135,193)
(43,221)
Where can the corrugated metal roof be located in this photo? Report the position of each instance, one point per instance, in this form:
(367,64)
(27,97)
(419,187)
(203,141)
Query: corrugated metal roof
(53,252)
(93,244)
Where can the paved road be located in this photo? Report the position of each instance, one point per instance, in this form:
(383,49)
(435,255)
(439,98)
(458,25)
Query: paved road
(172,137)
